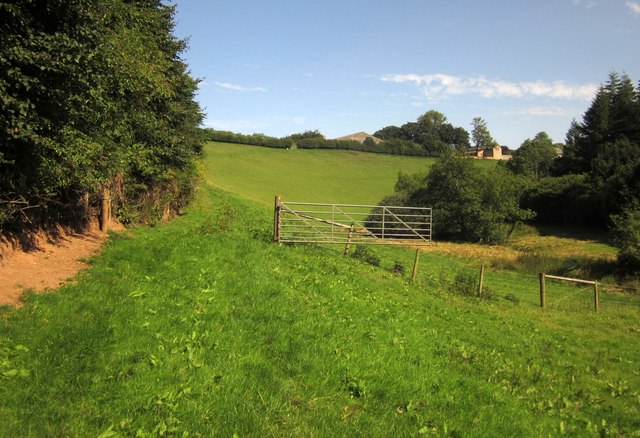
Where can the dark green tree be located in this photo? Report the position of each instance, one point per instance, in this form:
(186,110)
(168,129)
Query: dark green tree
(480,135)
(602,152)
(467,205)
(431,131)
(626,228)
(534,158)
(95,98)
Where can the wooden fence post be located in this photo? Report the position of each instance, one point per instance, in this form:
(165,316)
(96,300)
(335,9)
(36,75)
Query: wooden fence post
(481,283)
(105,213)
(415,266)
(348,245)
(276,219)
(86,216)
(542,291)
(596,298)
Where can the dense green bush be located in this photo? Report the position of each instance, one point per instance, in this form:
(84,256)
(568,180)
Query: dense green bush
(95,100)
(598,173)
(209,134)
(626,227)
(467,204)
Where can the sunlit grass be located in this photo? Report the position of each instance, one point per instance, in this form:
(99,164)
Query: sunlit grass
(204,327)
(345,177)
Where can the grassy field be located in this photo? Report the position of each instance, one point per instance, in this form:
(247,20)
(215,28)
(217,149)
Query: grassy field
(344,177)
(203,327)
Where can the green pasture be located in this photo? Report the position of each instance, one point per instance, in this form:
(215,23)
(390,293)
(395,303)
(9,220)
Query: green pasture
(343,177)
(204,327)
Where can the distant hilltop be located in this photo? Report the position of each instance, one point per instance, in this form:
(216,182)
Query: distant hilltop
(360,137)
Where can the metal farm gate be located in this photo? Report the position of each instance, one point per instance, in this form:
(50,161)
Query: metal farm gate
(304,222)
(346,224)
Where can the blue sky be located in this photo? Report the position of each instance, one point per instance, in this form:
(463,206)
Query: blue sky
(341,66)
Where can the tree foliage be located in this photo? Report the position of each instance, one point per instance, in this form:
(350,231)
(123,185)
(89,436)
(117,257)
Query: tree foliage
(626,227)
(600,168)
(480,134)
(467,204)
(95,96)
(534,158)
(431,131)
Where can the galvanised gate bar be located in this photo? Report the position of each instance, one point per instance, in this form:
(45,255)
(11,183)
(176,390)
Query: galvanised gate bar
(305,222)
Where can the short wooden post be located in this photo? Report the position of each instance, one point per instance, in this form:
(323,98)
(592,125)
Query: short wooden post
(276,219)
(105,213)
(481,283)
(415,266)
(347,247)
(596,298)
(543,297)
(86,219)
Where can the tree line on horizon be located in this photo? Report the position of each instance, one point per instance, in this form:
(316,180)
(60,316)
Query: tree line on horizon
(430,136)
(96,104)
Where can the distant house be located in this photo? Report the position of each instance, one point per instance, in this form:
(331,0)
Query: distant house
(360,137)
(489,153)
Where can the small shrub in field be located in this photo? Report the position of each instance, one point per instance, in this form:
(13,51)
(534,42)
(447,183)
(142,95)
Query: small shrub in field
(512,298)
(575,267)
(535,262)
(626,228)
(398,268)
(365,254)
(488,293)
(465,284)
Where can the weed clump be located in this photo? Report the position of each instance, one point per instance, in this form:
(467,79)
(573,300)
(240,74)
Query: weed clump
(398,269)
(364,253)
(465,283)
(512,298)
(219,222)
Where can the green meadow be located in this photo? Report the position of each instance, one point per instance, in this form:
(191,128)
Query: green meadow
(204,327)
(305,175)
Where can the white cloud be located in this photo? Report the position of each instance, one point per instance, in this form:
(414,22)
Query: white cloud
(587,4)
(236,125)
(634,7)
(540,111)
(438,85)
(250,126)
(236,87)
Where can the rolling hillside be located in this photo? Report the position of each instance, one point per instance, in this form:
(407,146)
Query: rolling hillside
(204,327)
(346,177)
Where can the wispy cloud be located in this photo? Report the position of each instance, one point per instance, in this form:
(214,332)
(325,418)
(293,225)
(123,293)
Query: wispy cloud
(586,3)
(236,125)
(250,126)
(236,87)
(539,111)
(634,7)
(439,85)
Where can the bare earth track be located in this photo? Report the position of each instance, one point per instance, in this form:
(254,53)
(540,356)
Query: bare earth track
(46,267)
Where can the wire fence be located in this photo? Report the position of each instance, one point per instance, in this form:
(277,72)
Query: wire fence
(440,270)
(298,222)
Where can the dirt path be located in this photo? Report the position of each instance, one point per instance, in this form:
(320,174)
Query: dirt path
(47,267)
